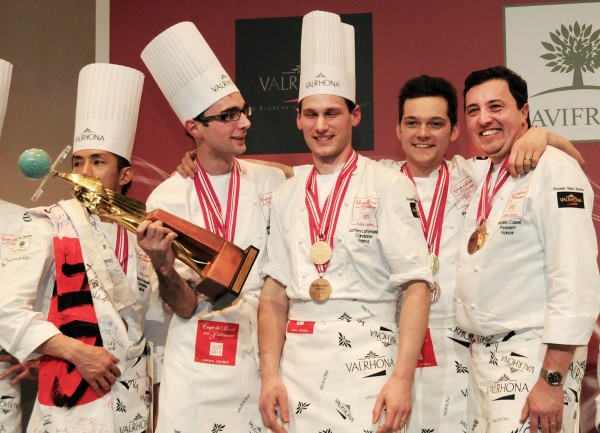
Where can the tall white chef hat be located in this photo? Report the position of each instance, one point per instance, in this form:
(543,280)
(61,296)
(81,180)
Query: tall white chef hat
(186,70)
(108,103)
(327,57)
(5,75)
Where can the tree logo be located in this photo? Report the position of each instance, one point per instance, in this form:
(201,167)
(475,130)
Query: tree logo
(574,49)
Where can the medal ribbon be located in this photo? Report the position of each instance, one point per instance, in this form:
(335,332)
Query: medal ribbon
(432,225)
(209,203)
(322,222)
(122,248)
(488,193)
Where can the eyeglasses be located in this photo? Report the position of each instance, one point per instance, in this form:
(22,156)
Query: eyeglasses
(229,116)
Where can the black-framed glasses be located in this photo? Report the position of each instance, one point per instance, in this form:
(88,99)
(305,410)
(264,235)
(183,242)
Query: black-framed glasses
(228,116)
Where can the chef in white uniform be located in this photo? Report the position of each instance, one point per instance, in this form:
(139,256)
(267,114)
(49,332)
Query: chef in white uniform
(92,278)
(345,241)
(528,281)
(210,379)
(11,219)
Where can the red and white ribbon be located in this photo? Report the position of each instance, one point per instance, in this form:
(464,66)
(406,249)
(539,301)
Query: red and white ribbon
(209,203)
(322,222)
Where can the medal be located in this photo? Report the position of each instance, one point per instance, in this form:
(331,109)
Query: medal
(320,290)
(434,262)
(322,223)
(488,192)
(432,224)
(435,292)
(320,253)
(477,239)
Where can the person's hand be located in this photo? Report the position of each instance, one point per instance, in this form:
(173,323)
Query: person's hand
(526,151)
(188,167)
(97,366)
(19,370)
(544,407)
(156,241)
(396,398)
(273,397)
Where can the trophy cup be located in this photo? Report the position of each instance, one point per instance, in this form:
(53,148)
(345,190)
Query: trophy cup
(222,265)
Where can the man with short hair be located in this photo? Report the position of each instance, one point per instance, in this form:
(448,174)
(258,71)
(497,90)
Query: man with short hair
(89,276)
(345,240)
(210,379)
(528,281)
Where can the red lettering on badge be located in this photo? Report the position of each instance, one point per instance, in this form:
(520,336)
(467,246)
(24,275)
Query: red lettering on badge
(427,356)
(216,342)
(298,327)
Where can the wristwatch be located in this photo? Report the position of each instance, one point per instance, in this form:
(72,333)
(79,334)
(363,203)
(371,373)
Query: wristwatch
(552,377)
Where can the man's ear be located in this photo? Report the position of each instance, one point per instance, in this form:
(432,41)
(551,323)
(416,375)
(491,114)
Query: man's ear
(356,115)
(455,132)
(125,175)
(525,112)
(192,128)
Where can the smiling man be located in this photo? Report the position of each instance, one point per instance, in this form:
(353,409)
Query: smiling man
(528,281)
(345,241)
(204,388)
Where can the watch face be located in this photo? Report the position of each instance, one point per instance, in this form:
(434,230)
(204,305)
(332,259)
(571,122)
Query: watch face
(554,378)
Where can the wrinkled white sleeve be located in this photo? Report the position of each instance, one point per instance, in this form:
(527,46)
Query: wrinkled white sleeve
(571,257)
(27,275)
(401,235)
(278,252)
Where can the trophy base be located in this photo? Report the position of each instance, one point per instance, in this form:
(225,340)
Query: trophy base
(219,283)
(222,265)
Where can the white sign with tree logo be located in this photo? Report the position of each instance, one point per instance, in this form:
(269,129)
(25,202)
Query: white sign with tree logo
(556,49)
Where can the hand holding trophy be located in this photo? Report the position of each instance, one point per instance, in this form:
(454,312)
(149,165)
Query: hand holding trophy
(222,265)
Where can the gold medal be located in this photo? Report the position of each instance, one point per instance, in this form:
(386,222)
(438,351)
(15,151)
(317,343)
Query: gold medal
(320,253)
(477,239)
(435,292)
(434,262)
(320,290)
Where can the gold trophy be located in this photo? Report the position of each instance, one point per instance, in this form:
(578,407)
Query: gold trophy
(222,265)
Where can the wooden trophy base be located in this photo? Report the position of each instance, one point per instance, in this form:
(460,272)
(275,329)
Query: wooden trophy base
(222,265)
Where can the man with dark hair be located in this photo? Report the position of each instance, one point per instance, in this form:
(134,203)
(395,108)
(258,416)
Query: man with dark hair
(528,281)
(210,379)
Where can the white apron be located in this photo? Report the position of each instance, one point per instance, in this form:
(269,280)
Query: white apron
(504,372)
(220,347)
(10,396)
(10,404)
(125,407)
(357,347)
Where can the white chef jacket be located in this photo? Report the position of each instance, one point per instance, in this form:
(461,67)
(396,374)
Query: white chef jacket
(11,220)
(199,395)
(441,379)
(465,176)
(378,246)
(30,272)
(537,269)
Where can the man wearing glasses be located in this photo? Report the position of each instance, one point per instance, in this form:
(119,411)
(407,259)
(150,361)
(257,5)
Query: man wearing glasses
(210,379)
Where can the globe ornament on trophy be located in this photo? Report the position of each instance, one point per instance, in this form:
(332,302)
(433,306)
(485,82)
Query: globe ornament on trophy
(222,265)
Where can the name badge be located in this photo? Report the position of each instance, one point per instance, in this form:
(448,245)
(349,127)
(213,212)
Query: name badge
(300,327)
(216,342)
(427,356)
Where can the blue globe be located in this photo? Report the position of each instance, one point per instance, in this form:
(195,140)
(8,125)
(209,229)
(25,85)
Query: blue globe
(35,163)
